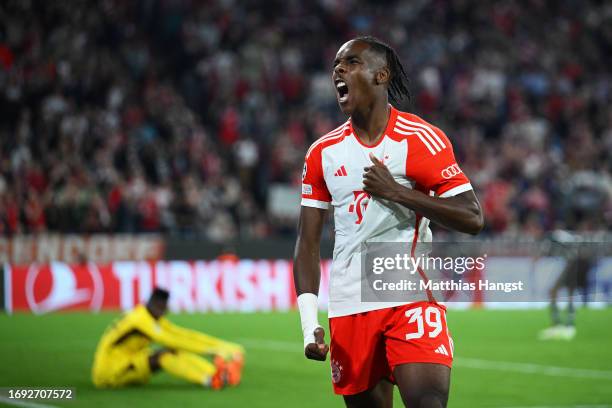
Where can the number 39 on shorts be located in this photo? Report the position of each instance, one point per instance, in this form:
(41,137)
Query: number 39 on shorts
(428,322)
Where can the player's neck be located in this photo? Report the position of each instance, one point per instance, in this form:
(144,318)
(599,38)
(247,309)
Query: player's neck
(370,125)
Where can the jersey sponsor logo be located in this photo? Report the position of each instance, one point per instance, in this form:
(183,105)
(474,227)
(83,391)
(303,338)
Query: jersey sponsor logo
(359,204)
(304,171)
(59,285)
(451,171)
(306,189)
(341,172)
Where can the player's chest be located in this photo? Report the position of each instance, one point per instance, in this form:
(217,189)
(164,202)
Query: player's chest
(343,165)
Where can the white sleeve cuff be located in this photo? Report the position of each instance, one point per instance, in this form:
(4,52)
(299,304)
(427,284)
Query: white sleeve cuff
(457,190)
(309,202)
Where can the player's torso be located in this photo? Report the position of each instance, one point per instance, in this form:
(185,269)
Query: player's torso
(343,166)
(418,155)
(124,333)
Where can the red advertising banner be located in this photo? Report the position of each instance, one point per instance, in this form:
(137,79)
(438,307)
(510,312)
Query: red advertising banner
(231,285)
(195,286)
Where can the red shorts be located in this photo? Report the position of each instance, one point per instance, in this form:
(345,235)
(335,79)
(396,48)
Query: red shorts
(366,347)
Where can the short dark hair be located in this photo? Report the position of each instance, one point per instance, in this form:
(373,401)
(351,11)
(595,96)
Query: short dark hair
(398,82)
(159,295)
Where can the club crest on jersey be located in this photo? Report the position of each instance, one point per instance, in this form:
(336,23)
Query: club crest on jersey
(336,371)
(359,204)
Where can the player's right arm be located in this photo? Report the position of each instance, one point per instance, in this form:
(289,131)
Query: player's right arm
(307,275)
(307,260)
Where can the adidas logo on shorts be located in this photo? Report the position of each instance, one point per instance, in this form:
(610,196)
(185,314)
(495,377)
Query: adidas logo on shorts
(442,350)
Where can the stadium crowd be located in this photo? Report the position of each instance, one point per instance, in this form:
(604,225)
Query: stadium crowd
(179,116)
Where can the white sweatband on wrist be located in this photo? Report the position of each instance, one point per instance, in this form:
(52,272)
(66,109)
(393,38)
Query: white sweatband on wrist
(308,305)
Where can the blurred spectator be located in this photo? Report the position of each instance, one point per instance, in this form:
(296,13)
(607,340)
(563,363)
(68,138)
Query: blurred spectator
(174,116)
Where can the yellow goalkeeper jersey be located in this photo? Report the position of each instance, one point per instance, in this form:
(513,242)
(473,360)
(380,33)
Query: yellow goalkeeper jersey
(137,329)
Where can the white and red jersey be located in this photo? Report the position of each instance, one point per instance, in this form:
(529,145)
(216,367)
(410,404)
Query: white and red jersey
(418,155)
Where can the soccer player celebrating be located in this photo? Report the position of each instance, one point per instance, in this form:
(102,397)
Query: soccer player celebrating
(124,356)
(386,173)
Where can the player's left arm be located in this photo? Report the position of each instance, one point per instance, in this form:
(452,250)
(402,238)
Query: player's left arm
(454,206)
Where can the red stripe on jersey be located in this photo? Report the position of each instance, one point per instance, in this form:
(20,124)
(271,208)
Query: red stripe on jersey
(415,239)
(337,130)
(334,134)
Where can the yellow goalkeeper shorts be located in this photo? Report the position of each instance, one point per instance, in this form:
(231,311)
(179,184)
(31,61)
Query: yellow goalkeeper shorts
(118,368)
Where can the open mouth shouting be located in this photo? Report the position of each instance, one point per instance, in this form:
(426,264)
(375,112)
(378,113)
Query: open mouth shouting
(342,90)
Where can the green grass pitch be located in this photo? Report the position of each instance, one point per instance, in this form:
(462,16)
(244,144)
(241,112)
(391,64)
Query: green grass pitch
(499,361)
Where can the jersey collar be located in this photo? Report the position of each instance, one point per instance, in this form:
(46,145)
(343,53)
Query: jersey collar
(388,130)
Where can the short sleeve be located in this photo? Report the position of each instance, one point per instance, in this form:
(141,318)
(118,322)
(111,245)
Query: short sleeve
(314,190)
(431,163)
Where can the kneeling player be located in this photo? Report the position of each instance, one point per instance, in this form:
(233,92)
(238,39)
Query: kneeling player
(124,355)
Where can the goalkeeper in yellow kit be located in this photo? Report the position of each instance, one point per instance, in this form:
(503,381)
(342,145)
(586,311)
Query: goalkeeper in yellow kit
(124,355)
